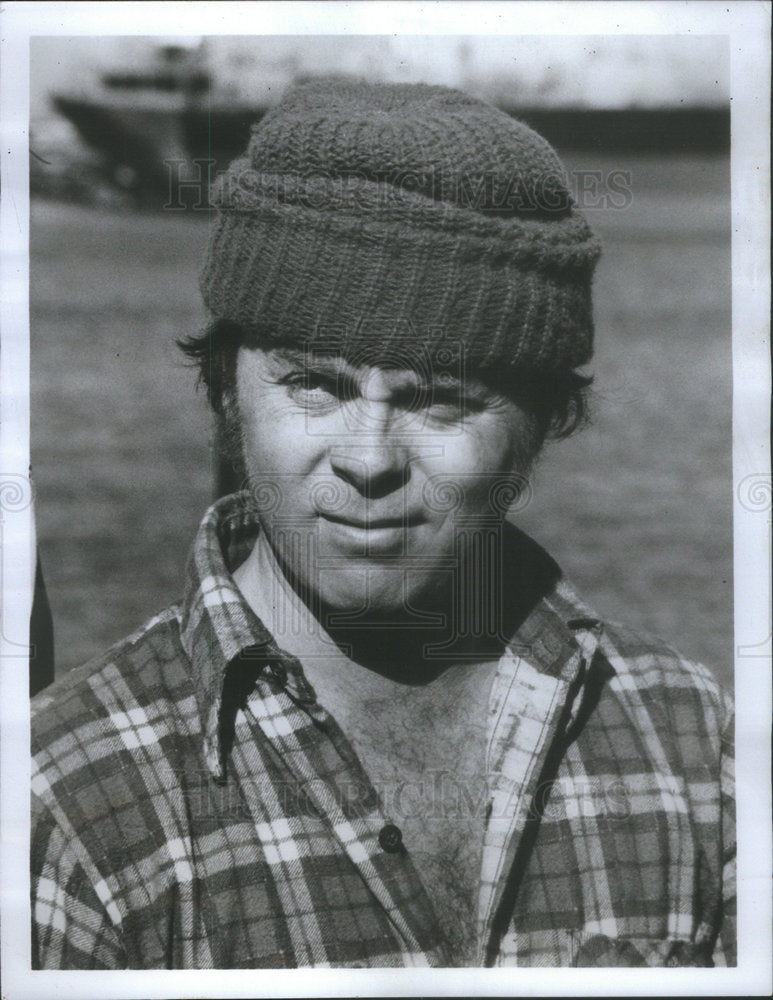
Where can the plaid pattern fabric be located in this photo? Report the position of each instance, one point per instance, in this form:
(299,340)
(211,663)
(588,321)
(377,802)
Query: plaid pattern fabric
(193,805)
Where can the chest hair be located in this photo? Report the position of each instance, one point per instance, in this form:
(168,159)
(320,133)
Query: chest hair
(424,751)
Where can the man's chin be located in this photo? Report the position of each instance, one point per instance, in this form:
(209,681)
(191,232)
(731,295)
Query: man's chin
(372,598)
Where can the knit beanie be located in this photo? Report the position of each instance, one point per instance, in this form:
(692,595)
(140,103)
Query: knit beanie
(385,216)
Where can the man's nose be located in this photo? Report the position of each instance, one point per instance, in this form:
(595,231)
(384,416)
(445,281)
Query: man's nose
(374,457)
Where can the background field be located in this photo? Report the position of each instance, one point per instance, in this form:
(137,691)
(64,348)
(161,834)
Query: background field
(637,509)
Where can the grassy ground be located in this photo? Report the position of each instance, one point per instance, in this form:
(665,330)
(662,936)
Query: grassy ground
(637,508)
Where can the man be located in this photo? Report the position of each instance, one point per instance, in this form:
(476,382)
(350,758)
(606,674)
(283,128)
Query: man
(380,728)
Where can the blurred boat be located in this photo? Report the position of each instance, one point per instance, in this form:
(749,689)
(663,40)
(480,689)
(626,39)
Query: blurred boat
(152,125)
(165,129)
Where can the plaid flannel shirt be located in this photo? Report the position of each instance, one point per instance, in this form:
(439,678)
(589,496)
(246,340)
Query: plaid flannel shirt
(187,806)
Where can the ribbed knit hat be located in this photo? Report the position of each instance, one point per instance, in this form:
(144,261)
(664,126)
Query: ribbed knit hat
(386,215)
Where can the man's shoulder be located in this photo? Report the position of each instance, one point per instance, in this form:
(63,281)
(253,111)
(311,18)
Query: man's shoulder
(144,675)
(649,679)
(651,662)
(675,696)
(639,659)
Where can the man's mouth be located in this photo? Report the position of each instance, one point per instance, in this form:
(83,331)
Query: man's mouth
(383,535)
(373,523)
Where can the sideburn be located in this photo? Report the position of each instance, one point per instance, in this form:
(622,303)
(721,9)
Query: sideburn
(231,469)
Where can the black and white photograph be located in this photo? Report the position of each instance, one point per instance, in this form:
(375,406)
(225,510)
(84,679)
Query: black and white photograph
(385,499)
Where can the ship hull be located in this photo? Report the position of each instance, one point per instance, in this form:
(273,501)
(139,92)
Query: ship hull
(154,147)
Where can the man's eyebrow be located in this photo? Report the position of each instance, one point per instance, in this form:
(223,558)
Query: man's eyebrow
(291,355)
(310,359)
(471,385)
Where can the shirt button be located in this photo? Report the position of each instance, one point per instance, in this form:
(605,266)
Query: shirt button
(390,838)
(278,672)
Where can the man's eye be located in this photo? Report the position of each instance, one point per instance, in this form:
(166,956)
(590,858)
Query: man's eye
(451,403)
(315,387)
(313,382)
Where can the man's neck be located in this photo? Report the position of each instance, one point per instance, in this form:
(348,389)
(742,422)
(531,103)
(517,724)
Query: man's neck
(405,654)
(268,592)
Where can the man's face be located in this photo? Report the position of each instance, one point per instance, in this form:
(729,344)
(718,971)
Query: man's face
(366,478)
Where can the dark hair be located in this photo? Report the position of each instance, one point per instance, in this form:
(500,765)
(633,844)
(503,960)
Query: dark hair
(557,401)
(214,352)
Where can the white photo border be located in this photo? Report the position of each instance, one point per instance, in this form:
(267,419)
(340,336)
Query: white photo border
(747,26)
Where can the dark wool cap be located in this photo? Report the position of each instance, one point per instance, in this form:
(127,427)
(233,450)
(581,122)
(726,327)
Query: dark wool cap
(386,216)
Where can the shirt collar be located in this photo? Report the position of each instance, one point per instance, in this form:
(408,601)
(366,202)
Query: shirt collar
(218,626)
